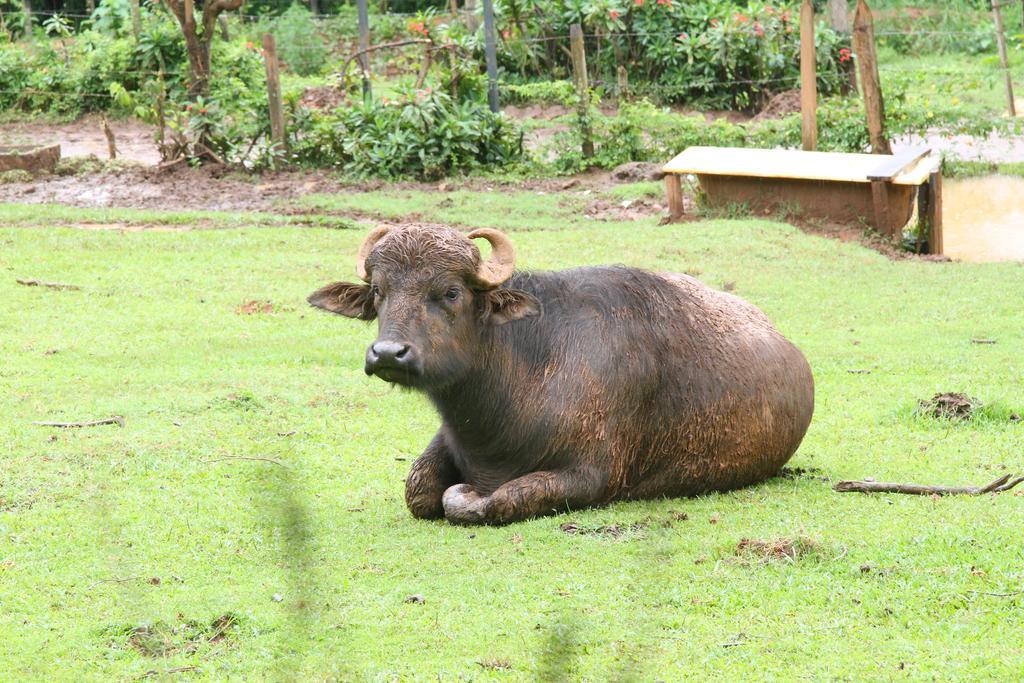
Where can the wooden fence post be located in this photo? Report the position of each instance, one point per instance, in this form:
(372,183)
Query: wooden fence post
(808,78)
(491,57)
(579,70)
(27,7)
(136,20)
(874,105)
(273,89)
(1001,40)
(364,44)
(839,15)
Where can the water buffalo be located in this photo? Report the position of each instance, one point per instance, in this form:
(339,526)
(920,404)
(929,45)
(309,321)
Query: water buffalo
(568,389)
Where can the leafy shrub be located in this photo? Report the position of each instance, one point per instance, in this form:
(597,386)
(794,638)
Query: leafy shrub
(301,48)
(541,92)
(724,53)
(425,134)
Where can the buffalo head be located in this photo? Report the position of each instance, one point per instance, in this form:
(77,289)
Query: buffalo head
(434,298)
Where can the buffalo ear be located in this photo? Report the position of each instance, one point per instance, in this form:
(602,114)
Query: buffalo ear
(345,298)
(506,305)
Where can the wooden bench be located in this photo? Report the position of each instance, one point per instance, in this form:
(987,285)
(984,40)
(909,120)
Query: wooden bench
(877,189)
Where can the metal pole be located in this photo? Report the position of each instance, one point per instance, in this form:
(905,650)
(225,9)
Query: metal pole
(491,51)
(364,43)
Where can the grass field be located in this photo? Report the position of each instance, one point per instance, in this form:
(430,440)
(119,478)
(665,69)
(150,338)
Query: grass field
(248,519)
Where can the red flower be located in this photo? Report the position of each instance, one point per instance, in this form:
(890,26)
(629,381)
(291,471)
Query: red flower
(758,29)
(249,45)
(684,36)
(638,3)
(203,110)
(188,107)
(741,18)
(667,3)
(845,54)
(417,27)
(506,34)
(613,14)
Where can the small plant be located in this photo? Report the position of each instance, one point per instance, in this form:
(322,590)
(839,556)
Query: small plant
(423,133)
(300,46)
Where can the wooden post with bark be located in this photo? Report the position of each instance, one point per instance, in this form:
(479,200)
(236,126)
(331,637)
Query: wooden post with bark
(136,20)
(874,105)
(579,72)
(491,56)
(808,78)
(839,16)
(197,44)
(364,46)
(274,90)
(1003,59)
(27,9)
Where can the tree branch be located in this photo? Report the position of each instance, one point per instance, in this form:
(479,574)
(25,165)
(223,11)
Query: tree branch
(1003,483)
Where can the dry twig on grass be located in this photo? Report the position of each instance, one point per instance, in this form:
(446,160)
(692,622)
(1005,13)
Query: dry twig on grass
(1003,483)
(244,457)
(115,420)
(40,283)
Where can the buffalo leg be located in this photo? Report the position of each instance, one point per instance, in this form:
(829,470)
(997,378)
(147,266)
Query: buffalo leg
(532,495)
(431,474)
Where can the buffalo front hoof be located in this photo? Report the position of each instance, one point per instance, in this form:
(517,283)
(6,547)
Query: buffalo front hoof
(463,505)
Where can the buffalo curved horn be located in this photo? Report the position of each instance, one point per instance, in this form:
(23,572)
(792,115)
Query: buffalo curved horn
(366,247)
(501,264)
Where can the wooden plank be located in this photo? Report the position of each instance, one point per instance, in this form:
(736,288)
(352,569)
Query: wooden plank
(864,46)
(808,79)
(789,163)
(674,190)
(890,167)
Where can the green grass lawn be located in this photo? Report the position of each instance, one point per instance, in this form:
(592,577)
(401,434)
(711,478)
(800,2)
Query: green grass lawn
(171,543)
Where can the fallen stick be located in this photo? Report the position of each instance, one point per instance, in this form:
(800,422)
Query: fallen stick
(1003,483)
(40,283)
(244,457)
(115,420)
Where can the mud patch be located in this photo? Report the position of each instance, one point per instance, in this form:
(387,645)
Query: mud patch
(322,97)
(949,406)
(604,530)
(624,210)
(780,105)
(85,137)
(637,171)
(775,549)
(161,639)
(813,473)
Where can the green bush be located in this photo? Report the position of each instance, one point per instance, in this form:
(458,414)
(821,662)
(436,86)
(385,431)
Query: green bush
(424,134)
(300,46)
(720,52)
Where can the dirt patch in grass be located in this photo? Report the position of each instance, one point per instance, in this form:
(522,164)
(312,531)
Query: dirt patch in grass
(814,473)
(781,104)
(255,307)
(322,97)
(782,548)
(949,406)
(625,210)
(603,530)
(495,664)
(161,639)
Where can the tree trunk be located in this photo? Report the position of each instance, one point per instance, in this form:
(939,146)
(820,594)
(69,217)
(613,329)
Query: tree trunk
(198,46)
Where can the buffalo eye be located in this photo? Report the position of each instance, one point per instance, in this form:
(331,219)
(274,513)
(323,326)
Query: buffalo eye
(452,294)
(374,291)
